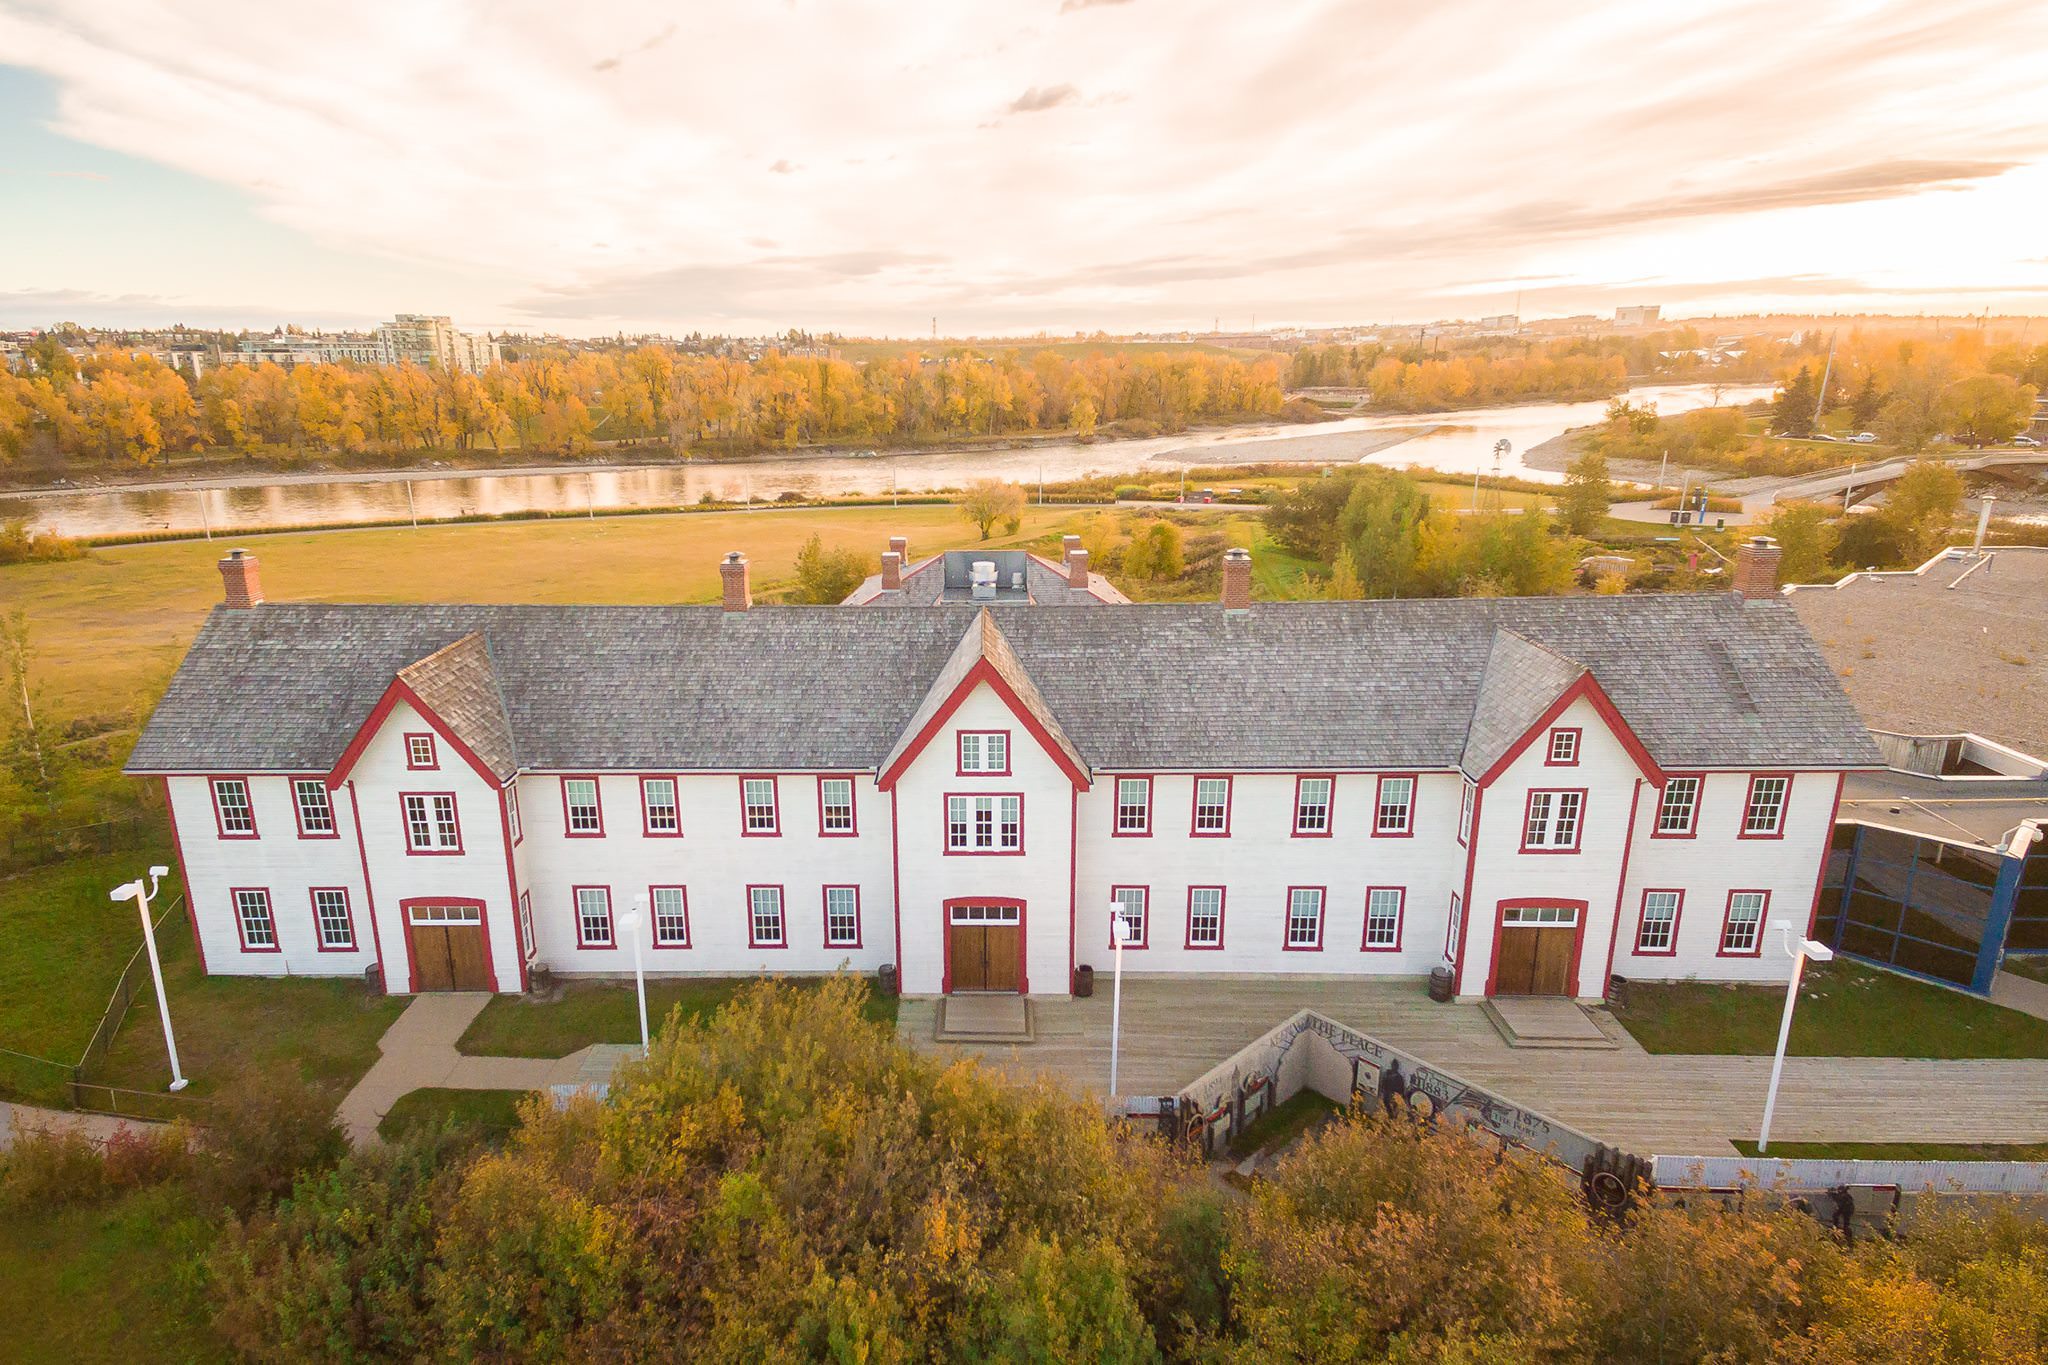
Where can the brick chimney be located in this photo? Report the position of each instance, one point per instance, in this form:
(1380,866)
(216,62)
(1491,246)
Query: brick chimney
(732,572)
(900,547)
(244,583)
(1237,580)
(1756,567)
(1077,567)
(892,571)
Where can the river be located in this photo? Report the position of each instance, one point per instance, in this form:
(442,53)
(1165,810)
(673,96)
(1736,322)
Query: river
(1453,442)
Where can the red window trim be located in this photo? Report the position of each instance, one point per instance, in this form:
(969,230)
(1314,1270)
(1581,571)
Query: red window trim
(1008,751)
(1195,805)
(654,921)
(1379,788)
(1023,938)
(611,915)
(348,910)
(852,807)
(1222,908)
(596,790)
(1144,940)
(1763,919)
(1784,807)
(1468,809)
(946,844)
(1642,913)
(774,804)
(1578,734)
(1330,812)
(647,830)
(1322,919)
(1116,803)
(405,824)
(1454,929)
(1400,921)
(235,894)
(220,828)
(1578,830)
(1692,829)
(515,818)
(825,909)
(781,900)
(298,812)
(433,763)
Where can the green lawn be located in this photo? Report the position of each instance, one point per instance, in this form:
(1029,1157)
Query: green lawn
(606,1012)
(1902,1151)
(1283,1123)
(1845,1009)
(491,1114)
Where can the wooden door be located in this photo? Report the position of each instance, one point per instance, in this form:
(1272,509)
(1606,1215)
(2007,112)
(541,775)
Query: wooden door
(1535,959)
(447,943)
(999,942)
(466,958)
(970,957)
(433,964)
(985,942)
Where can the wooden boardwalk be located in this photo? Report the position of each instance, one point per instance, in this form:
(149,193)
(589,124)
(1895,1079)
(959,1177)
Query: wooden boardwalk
(1176,1028)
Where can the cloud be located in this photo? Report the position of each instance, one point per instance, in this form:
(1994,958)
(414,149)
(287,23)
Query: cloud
(1039,98)
(1069,6)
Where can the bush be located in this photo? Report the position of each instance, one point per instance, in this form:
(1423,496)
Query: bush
(1131,492)
(262,1139)
(19,545)
(51,1170)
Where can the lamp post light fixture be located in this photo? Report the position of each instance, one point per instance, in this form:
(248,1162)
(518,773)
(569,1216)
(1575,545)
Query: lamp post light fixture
(1119,934)
(137,892)
(630,925)
(1799,950)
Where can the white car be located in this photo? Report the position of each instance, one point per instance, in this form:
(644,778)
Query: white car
(2027,441)
(1863,438)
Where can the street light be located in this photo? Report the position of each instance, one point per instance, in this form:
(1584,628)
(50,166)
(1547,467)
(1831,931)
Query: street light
(1119,934)
(1798,951)
(135,891)
(629,925)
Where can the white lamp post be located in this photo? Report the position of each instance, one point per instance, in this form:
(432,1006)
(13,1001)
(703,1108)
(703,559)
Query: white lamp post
(135,891)
(630,924)
(1799,951)
(1119,934)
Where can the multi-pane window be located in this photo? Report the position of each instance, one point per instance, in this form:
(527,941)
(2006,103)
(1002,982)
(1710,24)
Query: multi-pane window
(671,907)
(842,917)
(1312,805)
(658,805)
(512,814)
(594,916)
(1212,805)
(231,808)
(764,917)
(331,919)
(1466,799)
(430,822)
(1763,815)
(758,806)
(1383,917)
(315,808)
(984,751)
(1394,811)
(419,751)
(1744,930)
(835,805)
(1451,927)
(526,925)
(1659,928)
(252,914)
(1564,748)
(1129,904)
(581,814)
(1134,805)
(1553,820)
(1679,806)
(984,824)
(1205,917)
(1305,917)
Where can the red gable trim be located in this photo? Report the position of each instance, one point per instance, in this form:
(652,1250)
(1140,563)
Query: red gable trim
(982,672)
(1588,687)
(394,694)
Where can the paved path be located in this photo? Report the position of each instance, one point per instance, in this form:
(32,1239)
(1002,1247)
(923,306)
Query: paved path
(1176,1029)
(418,1053)
(2021,993)
(19,1120)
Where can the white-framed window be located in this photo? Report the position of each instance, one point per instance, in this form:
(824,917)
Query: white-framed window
(253,918)
(332,923)
(1553,820)
(671,909)
(835,805)
(314,807)
(231,809)
(842,917)
(1467,796)
(582,816)
(1304,917)
(1383,917)
(512,814)
(526,925)
(1205,917)
(1566,915)
(1658,930)
(760,810)
(1564,748)
(1131,903)
(1679,805)
(658,807)
(1394,811)
(984,751)
(1212,805)
(1312,805)
(984,824)
(1452,925)
(1763,815)
(419,752)
(430,823)
(1742,934)
(1134,805)
(764,917)
(593,917)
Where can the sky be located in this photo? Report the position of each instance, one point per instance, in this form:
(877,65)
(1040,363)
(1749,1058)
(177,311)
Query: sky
(1011,166)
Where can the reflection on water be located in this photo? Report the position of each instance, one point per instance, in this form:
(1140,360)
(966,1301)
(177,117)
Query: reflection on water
(1457,442)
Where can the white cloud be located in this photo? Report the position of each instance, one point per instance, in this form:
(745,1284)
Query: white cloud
(1137,164)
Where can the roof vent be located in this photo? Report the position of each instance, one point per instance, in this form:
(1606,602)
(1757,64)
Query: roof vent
(982,580)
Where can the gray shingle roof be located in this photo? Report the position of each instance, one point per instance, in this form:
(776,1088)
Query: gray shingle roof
(1149,686)
(459,685)
(943,577)
(1521,680)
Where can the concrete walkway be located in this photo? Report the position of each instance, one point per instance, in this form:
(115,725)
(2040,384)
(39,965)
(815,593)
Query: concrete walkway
(418,1053)
(2021,993)
(20,1120)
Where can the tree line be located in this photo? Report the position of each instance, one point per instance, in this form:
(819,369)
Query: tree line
(1411,381)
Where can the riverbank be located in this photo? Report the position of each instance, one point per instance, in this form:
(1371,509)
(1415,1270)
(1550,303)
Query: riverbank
(1336,447)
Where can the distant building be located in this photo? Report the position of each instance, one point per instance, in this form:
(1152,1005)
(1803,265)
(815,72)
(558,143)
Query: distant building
(1500,322)
(419,339)
(1641,315)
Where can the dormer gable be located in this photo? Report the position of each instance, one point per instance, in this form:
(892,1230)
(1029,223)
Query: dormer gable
(983,658)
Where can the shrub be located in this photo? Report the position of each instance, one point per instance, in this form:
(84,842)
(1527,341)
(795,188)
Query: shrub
(49,1170)
(1131,492)
(19,545)
(261,1139)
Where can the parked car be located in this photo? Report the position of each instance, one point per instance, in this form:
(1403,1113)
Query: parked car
(1864,438)
(2026,441)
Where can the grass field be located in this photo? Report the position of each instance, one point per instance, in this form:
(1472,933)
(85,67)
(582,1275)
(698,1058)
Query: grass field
(1845,1010)
(1283,1123)
(1901,1151)
(490,1114)
(606,1012)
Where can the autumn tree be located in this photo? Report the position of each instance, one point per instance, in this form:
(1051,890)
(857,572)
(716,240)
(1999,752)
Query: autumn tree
(988,501)
(1988,409)
(1921,505)
(826,576)
(1155,553)
(1587,494)
(1807,537)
